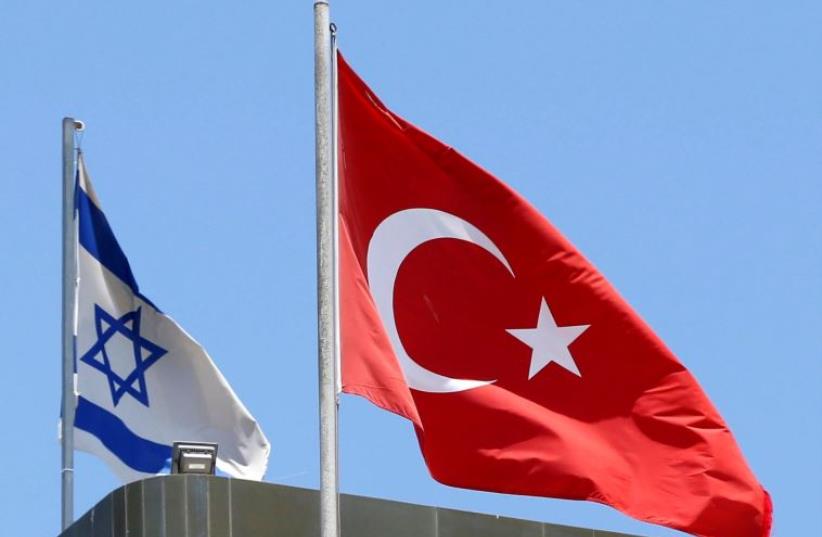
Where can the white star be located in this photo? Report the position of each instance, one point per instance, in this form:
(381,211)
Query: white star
(549,342)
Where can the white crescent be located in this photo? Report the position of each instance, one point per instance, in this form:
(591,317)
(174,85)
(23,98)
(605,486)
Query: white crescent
(395,238)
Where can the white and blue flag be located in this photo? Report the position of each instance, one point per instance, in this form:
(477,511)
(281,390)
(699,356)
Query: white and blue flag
(142,382)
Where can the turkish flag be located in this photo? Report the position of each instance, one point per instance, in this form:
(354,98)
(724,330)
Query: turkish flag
(464,310)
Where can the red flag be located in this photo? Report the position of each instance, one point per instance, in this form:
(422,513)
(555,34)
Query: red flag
(523,370)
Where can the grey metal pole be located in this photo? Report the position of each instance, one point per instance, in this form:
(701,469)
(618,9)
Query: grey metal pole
(329,489)
(70,125)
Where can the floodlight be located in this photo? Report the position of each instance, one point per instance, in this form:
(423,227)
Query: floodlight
(194,458)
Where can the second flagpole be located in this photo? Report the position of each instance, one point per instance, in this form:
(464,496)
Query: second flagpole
(69,278)
(326,329)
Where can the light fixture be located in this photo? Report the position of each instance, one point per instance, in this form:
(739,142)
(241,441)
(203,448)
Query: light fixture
(194,458)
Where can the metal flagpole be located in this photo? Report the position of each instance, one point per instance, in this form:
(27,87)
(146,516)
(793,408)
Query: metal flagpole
(70,126)
(329,489)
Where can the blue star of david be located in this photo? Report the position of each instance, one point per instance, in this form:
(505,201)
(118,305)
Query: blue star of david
(97,356)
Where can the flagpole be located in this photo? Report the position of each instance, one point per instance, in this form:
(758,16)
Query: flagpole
(329,488)
(70,126)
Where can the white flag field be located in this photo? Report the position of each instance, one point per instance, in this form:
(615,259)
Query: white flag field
(142,381)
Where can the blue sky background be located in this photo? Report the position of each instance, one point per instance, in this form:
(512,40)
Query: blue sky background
(677,144)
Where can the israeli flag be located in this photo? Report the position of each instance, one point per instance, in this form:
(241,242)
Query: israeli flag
(142,382)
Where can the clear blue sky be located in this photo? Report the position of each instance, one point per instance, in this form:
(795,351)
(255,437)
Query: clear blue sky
(678,144)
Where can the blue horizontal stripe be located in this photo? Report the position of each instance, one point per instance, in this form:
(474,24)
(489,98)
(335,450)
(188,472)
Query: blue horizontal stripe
(96,236)
(134,451)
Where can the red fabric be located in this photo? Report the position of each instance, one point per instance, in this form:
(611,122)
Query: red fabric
(634,431)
